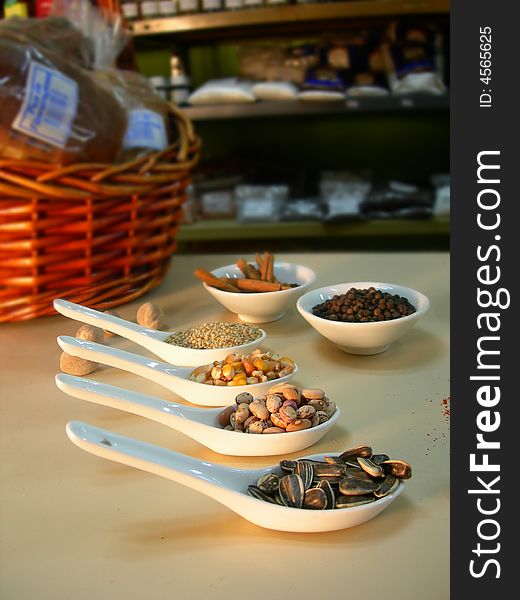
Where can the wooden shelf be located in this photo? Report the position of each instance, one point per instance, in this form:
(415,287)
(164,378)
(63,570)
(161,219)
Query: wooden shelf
(228,230)
(209,22)
(298,108)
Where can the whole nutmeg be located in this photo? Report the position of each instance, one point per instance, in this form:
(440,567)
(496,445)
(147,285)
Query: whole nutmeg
(73,365)
(90,333)
(150,315)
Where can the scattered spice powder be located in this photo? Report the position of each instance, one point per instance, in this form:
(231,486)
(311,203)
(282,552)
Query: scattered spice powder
(446,410)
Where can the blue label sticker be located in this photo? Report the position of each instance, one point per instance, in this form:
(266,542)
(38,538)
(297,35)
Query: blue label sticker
(49,106)
(145,130)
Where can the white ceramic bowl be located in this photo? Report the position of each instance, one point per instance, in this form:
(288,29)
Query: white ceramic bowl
(263,307)
(362,338)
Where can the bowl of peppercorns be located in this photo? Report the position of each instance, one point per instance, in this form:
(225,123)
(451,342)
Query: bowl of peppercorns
(363,317)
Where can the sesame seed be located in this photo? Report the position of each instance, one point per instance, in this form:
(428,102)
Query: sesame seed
(215,335)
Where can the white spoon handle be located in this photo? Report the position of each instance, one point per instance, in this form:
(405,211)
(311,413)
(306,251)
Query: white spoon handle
(177,416)
(126,329)
(210,479)
(162,373)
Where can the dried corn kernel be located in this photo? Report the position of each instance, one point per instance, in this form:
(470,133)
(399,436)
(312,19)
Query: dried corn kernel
(231,358)
(202,369)
(286,361)
(216,373)
(261,364)
(249,369)
(228,372)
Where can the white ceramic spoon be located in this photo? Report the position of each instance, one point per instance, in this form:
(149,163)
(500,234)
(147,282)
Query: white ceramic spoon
(227,485)
(200,424)
(173,378)
(151,339)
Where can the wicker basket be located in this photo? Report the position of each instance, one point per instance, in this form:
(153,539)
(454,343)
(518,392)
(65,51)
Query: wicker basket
(92,233)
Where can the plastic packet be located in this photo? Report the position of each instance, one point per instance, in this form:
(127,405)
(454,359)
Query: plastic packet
(222,91)
(275,90)
(51,110)
(260,202)
(343,194)
(441,203)
(303,209)
(398,200)
(147,112)
(55,34)
(190,208)
(413,83)
(105,31)
(217,205)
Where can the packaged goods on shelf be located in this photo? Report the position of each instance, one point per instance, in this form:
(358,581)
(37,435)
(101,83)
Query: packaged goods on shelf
(233,4)
(321,95)
(167,8)
(188,6)
(303,209)
(149,9)
(441,204)
(222,91)
(217,205)
(130,9)
(366,91)
(260,203)
(398,200)
(413,83)
(343,194)
(413,60)
(275,90)
(161,86)
(276,62)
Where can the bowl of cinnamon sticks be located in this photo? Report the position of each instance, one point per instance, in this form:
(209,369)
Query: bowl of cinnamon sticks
(259,291)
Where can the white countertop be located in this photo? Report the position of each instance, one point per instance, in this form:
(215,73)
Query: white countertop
(79,527)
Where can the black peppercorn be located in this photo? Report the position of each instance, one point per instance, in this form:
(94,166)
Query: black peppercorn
(362,306)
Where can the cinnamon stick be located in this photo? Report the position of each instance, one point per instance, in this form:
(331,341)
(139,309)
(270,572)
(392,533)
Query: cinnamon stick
(257,285)
(263,268)
(248,270)
(269,269)
(210,279)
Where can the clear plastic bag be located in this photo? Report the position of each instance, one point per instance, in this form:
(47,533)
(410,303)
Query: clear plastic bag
(343,194)
(105,32)
(441,203)
(147,112)
(51,110)
(56,34)
(260,202)
(303,209)
(398,200)
(222,91)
